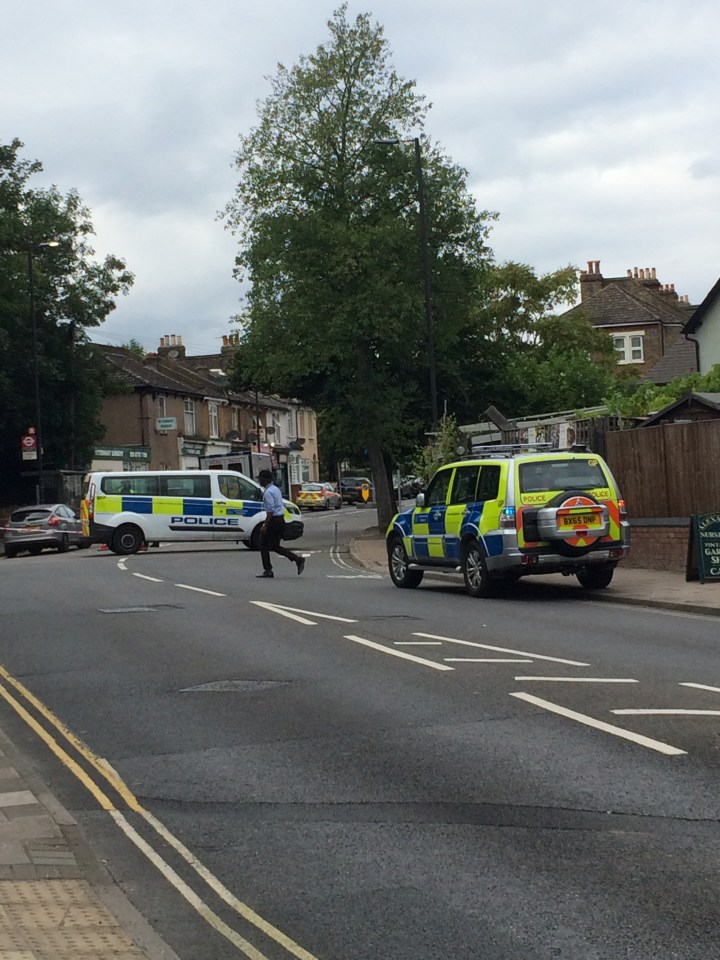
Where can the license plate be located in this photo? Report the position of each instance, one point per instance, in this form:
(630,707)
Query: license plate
(581,520)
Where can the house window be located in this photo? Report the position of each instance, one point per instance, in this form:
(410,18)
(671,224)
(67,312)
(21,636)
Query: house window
(277,424)
(162,406)
(189,418)
(629,347)
(213,412)
(235,419)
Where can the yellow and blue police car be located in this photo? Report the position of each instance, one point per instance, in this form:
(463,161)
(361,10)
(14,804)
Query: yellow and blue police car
(127,510)
(504,514)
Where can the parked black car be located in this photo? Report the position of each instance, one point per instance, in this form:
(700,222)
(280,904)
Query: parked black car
(351,489)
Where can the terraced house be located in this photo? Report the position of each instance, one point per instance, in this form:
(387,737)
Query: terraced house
(645,318)
(175,409)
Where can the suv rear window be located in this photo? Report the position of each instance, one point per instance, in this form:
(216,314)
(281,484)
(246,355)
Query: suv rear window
(547,475)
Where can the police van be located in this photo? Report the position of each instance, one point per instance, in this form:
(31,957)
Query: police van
(129,509)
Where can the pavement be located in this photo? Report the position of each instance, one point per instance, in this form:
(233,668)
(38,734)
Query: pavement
(58,902)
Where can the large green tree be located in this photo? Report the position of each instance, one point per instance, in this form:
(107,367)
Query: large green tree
(51,291)
(517,353)
(326,214)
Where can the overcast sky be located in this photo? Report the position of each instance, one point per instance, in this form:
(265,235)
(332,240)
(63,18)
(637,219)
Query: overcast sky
(593,129)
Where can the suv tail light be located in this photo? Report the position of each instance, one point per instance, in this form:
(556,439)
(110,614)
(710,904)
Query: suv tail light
(507,518)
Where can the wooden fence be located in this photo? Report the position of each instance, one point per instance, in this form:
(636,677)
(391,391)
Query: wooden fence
(672,470)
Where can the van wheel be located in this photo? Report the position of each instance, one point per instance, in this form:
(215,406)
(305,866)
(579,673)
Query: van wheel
(478,581)
(400,574)
(127,539)
(596,578)
(255,538)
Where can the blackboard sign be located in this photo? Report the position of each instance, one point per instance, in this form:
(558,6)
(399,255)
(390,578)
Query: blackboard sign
(703,558)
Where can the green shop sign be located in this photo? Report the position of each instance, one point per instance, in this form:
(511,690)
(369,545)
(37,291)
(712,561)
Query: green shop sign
(703,560)
(122,453)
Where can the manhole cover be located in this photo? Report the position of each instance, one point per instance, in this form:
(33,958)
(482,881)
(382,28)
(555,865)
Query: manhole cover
(153,609)
(128,610)
(235,686)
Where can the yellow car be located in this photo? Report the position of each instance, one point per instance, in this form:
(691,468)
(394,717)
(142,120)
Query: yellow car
(318,496)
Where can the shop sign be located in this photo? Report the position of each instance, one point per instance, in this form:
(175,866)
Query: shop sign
(703,559)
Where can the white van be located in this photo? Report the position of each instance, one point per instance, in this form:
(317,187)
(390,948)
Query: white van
(129,509)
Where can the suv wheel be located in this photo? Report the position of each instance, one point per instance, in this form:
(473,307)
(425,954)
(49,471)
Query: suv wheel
(564,548)
(478,581)
(596,578)
(400,574)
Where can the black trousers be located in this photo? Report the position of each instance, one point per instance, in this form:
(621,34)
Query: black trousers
(270,540)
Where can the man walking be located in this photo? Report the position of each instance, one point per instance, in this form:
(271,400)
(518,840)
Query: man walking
(274,526)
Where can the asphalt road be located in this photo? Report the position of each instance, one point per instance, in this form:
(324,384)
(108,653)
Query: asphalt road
(328,767)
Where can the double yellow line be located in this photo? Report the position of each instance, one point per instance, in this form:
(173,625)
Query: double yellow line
(8,684)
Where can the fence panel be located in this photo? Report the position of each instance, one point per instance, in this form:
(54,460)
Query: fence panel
(672,470)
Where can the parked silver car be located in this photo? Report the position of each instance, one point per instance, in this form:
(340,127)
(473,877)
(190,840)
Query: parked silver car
(44,525)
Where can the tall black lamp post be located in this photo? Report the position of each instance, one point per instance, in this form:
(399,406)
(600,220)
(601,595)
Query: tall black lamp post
(32,248)
(425,262)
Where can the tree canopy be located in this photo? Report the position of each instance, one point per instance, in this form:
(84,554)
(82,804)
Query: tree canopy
(327,221)
(48,275)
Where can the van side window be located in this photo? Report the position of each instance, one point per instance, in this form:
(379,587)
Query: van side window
(238,488)
(192,486)
(129,485)
(489,482)
(464,485)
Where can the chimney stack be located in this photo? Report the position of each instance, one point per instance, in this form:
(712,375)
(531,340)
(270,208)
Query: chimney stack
(230,343)
(591,280)
(171,347)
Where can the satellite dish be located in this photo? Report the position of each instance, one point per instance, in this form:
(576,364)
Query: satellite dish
(460,449)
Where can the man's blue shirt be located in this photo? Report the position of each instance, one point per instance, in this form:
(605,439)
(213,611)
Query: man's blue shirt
(272,501)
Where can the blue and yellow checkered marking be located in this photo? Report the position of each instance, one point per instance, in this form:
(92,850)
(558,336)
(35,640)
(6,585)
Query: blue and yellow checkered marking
(177,506)
(436,532)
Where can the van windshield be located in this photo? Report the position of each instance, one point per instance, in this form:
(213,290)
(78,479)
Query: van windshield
(561,475)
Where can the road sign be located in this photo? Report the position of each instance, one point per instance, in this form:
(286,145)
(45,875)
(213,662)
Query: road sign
(28,444)
(365,491)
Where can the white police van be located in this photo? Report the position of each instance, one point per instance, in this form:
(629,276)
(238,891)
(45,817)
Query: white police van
(129,509)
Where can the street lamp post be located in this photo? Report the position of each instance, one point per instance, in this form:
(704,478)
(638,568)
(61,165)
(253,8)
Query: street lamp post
(425,262)
(32,247)
(426,281)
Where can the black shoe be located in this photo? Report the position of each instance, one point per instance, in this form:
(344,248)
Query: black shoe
(265,574)
(300,564)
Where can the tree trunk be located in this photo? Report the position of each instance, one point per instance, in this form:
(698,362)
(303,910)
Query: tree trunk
(384,498)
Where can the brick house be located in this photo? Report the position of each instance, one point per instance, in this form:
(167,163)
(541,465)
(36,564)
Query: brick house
(645,319)
(175,409)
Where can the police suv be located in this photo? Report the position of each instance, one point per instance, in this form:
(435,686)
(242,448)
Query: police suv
(129,509)
(503,514)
